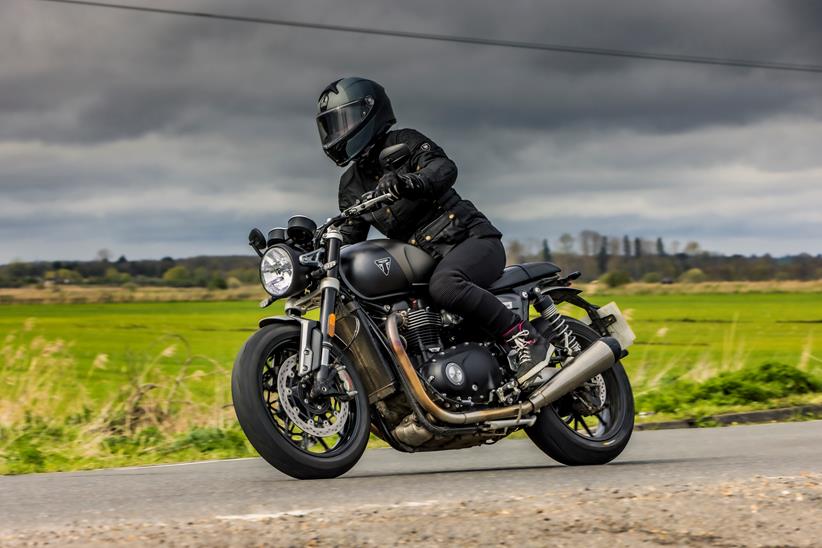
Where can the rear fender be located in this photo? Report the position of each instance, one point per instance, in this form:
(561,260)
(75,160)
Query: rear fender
(310,340)
(571,295)
(561,294)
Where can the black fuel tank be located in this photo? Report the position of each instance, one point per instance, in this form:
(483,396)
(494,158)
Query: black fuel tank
(378,269)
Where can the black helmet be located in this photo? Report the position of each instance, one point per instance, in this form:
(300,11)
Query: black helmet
(354,112)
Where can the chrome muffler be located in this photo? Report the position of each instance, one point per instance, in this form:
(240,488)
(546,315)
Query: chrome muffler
(595,359)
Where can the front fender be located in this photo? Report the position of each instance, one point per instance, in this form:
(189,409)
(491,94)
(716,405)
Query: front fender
(270,320)
(310,339)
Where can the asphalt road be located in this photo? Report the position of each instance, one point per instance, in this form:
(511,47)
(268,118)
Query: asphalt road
(250,490)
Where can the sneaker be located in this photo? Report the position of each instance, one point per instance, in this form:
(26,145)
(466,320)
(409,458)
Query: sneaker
(533,352)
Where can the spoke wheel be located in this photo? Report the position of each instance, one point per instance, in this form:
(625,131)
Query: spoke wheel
(592,424)
(588,411)
(302,436)
(313,425)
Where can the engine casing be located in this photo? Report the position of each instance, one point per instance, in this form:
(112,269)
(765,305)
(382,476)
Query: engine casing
(464,371)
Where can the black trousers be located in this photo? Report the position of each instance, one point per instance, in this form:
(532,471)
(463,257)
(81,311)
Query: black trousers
(458,283)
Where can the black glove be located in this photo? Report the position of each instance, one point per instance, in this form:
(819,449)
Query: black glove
(402,186)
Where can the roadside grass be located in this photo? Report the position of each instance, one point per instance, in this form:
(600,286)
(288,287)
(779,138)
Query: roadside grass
(49,421)
(98,385)
(771,286)
(128,293)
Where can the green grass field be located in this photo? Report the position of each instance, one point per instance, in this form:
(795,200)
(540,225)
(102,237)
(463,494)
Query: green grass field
(170,362)
(676,334)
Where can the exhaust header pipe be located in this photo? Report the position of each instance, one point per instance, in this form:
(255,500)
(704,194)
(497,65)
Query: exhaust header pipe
(597,358)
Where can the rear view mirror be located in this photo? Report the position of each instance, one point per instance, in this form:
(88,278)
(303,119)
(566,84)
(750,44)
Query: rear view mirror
(394,157)
(256,239)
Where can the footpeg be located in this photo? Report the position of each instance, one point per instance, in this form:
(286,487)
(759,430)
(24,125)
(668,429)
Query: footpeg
(508,392)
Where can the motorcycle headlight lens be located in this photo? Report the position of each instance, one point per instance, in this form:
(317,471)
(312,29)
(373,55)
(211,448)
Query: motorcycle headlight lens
(277,271)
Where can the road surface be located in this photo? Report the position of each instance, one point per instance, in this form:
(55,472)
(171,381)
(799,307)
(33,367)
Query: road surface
(743,485)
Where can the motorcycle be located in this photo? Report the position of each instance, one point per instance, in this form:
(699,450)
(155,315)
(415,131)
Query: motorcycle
(361,350)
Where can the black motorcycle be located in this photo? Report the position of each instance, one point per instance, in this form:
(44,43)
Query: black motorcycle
(380,360)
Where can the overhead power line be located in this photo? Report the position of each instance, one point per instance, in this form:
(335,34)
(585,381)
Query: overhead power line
(559,48)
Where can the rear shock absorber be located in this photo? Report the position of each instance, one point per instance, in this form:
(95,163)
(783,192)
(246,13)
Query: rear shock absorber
(559,333)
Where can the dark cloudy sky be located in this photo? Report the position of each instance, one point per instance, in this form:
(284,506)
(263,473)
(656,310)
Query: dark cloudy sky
(155,135)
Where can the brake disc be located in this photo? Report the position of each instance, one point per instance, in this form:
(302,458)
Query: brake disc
(590,397)
(319,426)
(599,389)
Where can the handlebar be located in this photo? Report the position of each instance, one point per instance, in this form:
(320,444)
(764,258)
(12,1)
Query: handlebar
(369,203)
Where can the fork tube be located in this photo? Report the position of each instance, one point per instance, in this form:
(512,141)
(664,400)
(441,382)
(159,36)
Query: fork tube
(330,286)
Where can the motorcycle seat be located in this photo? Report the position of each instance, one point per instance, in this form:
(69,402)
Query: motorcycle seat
(519,274)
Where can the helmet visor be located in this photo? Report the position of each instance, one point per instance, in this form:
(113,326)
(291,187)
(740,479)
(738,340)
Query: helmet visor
(338,122)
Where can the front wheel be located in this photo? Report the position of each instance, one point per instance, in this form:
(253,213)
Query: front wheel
(303,436)
(592,424)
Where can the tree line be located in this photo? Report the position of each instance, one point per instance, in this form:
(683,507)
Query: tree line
(615,260)
(622,259)
(215,272)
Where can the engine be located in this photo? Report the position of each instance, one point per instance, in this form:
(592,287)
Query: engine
(465,372)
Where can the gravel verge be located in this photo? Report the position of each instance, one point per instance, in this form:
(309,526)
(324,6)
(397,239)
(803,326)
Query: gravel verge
(762,511)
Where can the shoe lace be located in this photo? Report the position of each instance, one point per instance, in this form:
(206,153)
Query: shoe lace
(522,345)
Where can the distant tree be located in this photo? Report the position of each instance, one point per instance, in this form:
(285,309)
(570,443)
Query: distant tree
(66,276)
(660,247)
(652,278)
(546,251)
(589,241)
(566,243)
(675,247)
(514,251)
(616,278)
(217,282)
(177,275)
(114,276)
(200,277)
(626,246)
(693,276)
(637,247)
(103,255)
(602,256)
(692,248)
(121,261)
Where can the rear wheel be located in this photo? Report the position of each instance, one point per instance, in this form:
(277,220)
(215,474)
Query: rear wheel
(303,436)
(592,424)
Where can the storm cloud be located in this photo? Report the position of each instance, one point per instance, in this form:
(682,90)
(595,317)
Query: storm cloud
(158,135)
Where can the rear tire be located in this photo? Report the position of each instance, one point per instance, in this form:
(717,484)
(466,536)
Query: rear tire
(263,422)
(554,434)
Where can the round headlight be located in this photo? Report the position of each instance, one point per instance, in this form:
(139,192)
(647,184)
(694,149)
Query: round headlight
(277,271)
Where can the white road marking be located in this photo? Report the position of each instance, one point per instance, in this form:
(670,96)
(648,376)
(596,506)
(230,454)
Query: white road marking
(151,466)
(309,511)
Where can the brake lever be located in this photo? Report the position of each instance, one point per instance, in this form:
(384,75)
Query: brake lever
(353,211)
(368,204)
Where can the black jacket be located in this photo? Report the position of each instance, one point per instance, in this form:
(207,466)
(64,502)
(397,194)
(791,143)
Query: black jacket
(436,222)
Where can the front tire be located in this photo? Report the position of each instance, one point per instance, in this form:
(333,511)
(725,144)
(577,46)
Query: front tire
(274,433)
(561,429)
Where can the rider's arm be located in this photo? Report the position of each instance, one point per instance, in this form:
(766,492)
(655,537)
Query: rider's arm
(430,165)
(353,230)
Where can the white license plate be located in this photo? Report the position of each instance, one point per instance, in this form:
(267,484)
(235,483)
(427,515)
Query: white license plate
(620,330)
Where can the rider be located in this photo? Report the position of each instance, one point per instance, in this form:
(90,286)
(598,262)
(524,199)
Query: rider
(354,119)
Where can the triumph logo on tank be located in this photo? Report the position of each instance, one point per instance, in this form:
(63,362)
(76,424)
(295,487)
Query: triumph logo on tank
(384,264)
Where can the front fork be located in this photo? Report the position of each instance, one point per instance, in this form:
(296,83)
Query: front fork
(324,381)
